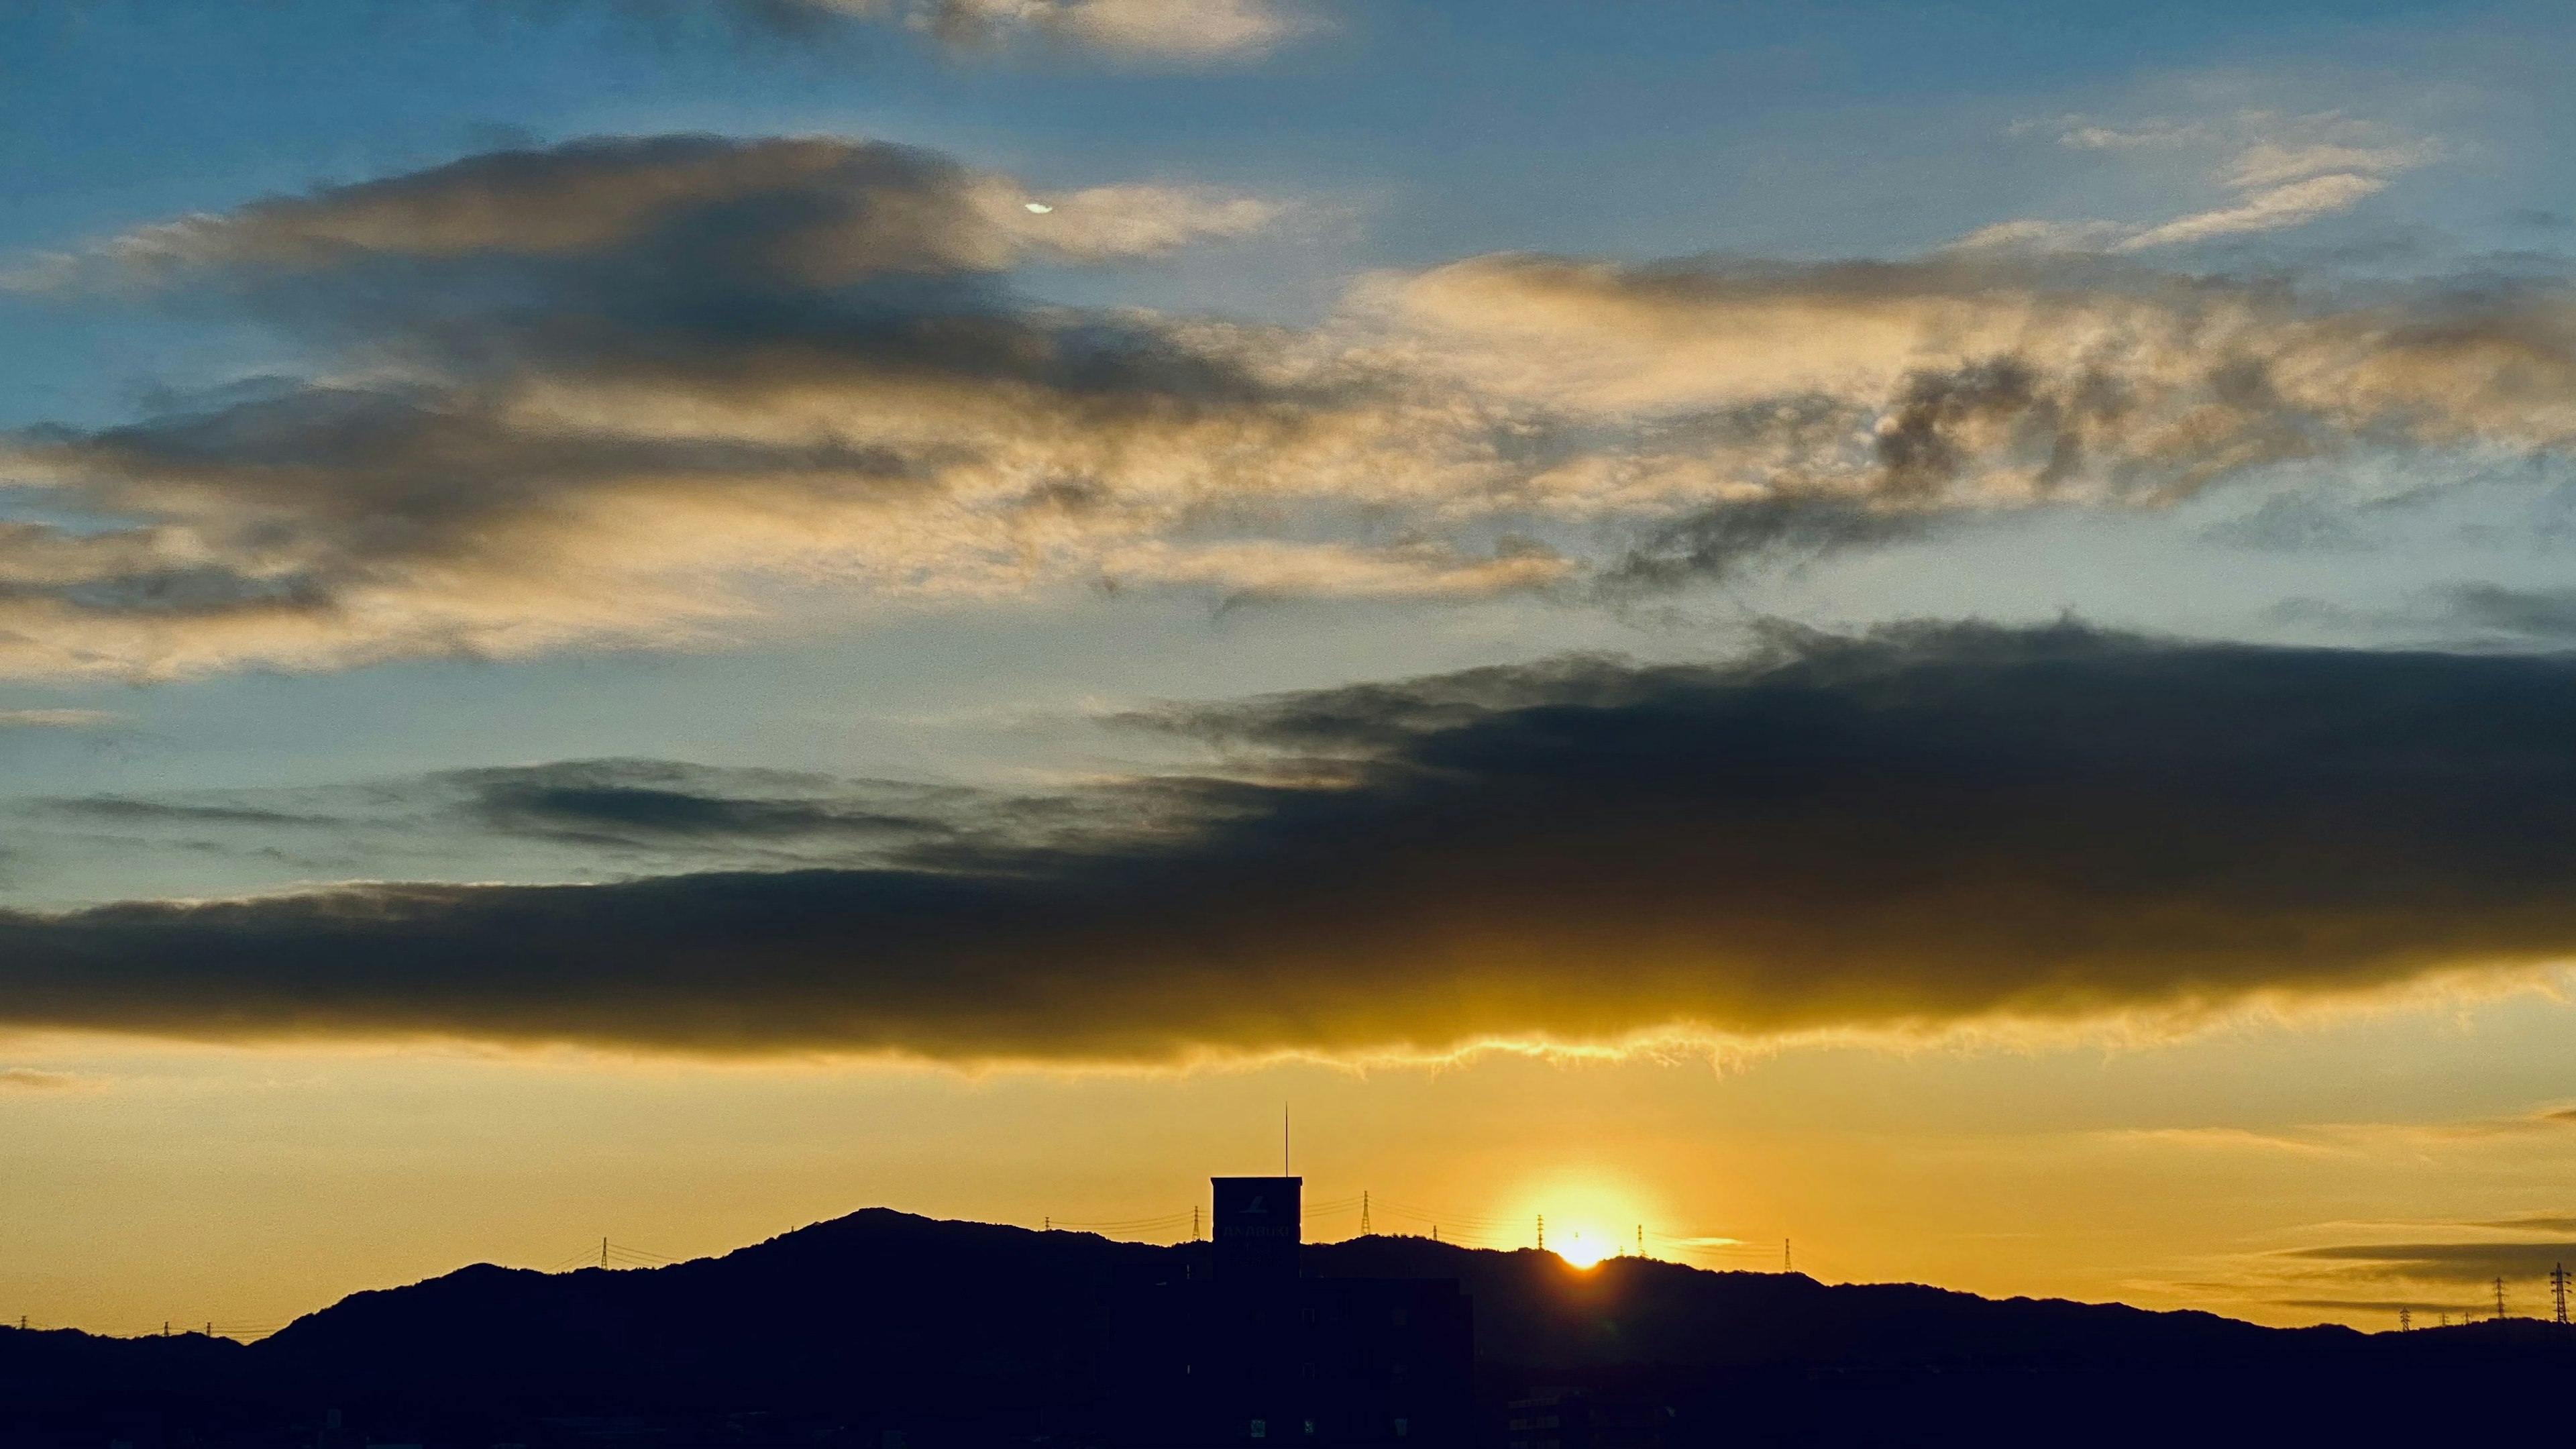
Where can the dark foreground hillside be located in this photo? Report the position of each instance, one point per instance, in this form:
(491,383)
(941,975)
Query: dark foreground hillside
(881,1324)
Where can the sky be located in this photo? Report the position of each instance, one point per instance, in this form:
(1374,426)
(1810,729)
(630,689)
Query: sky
(1935,638)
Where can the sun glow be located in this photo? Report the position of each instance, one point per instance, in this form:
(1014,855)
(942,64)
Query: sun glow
(1585,1215)
(1584,1247)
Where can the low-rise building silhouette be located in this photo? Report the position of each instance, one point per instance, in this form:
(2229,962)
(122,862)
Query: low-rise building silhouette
(1582,1419)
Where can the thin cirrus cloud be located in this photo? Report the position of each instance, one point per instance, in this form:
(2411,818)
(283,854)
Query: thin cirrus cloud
(2443,1262)
(1895,833)
(58,719)
(619,391)
(1166,31)
(2284,171)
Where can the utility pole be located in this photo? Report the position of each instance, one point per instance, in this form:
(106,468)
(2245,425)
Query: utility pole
(2558,1290)
(1364,1219)
(1435,1232)
(2499,1287)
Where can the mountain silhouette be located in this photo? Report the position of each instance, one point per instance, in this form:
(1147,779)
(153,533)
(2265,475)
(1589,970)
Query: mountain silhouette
(883,1328)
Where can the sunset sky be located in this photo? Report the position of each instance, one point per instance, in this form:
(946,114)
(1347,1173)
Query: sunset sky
(1942,632)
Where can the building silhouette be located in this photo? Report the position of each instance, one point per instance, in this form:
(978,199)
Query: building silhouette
(1559,1418)
(1240,1348)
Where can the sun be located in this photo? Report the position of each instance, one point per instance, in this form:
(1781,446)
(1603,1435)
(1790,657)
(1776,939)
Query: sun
(1584,1247)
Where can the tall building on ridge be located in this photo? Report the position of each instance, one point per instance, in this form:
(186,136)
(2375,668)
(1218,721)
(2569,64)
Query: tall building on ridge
(1242,1349)
(1260,1224)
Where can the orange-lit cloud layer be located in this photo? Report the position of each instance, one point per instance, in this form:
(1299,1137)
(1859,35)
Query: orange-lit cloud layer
(1908,831)
(604,393)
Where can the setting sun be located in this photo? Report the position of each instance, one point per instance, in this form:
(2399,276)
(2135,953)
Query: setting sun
(1584,1247)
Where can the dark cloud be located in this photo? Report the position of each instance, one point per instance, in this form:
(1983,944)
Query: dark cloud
(2537,615)
(2538,1222)
(2368,1305)
(2445,1262)
(1730,539)
(662,803)
(1894,832)
(123,810)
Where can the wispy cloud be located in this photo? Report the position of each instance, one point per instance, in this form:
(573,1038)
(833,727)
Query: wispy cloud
(2285,171)
(59,719)
(1148,32)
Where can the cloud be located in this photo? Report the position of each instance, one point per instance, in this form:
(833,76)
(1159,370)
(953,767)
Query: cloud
(636,391)
(2286,171)
(2443,1262)
(2538,1222)
(1173,31)
(646,803)
(121,810)
(31,1079)
(2537,615)
(803,212)
(1896,833)
(58,719)
(2271,209)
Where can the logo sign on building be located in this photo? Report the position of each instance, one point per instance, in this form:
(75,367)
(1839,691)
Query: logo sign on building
(1258,1226)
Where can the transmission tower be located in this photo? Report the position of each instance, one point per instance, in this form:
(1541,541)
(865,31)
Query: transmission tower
(2499,1292)
(2405,1319)
(1364,1221)
(1784,1256)
(2558,1290)
(1542,1232)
